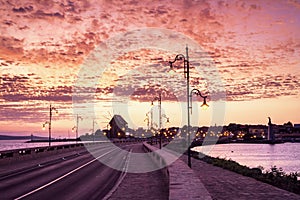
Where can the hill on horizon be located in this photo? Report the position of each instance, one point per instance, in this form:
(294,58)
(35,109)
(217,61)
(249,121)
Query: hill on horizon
(14,137)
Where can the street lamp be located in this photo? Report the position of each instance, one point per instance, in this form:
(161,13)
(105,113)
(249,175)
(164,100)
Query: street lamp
(160,116)
(93,129)
(149,120)
(94,122)
(167,118)
(49,122)
(204,105)
(76,127)
(186,66)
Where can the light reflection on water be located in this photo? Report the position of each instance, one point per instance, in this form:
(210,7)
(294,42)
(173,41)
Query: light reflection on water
(286,156)
(20,144)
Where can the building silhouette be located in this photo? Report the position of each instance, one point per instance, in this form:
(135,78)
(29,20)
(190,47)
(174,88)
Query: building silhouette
(271,135)
(118,127)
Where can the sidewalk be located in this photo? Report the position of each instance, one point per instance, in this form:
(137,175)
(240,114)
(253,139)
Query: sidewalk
(224,184)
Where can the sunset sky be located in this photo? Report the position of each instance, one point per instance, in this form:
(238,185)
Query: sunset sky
(97,58)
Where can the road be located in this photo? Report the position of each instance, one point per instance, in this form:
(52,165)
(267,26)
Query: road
(79,176)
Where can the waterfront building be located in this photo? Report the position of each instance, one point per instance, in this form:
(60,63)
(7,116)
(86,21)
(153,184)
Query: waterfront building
(258,131)
(296,128)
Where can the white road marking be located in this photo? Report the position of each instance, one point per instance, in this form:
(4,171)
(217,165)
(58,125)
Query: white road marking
(63,176)
(122,176)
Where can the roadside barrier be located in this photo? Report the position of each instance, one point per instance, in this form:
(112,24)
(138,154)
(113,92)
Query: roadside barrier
(183,182)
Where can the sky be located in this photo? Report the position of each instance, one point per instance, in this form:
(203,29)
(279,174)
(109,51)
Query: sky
(97,58)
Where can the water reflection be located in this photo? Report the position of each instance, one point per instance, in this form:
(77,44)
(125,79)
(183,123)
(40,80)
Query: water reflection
(20,144)
(286,156)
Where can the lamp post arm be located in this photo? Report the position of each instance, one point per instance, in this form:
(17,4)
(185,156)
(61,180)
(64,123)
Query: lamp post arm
(198,93)
(185,63)
(178,57)
(157,98)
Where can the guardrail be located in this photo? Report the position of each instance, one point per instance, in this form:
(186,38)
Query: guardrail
(183,182)
(20,154)
(33,152)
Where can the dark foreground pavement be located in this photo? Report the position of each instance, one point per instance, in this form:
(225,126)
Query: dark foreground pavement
(220,183)
(224,184)
(141,186)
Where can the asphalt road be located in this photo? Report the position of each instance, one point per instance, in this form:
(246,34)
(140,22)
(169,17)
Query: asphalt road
(79,176)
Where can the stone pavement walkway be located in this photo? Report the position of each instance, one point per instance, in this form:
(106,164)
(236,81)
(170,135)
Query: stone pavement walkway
(141,186)
(224,184)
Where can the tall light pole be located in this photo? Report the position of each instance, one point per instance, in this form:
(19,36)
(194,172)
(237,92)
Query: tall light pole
(50,121)
(76,127)
(94,122)
(148,120)
(159,122)
(186,66)
(168,120)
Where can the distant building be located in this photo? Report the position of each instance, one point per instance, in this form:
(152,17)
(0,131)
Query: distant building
(118,127)
(296,128)
(288,127)
(140,133)
(258,131)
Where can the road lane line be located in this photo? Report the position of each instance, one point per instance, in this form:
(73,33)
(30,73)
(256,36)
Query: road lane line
(65,175)
(121,178)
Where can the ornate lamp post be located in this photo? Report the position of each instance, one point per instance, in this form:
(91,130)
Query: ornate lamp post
(76,127)
(49,122)
(93,129)
(160,116)
(149,120)
(167,118)
(186,66)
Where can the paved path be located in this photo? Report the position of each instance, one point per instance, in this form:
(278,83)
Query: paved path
(141,186)
(224,184)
